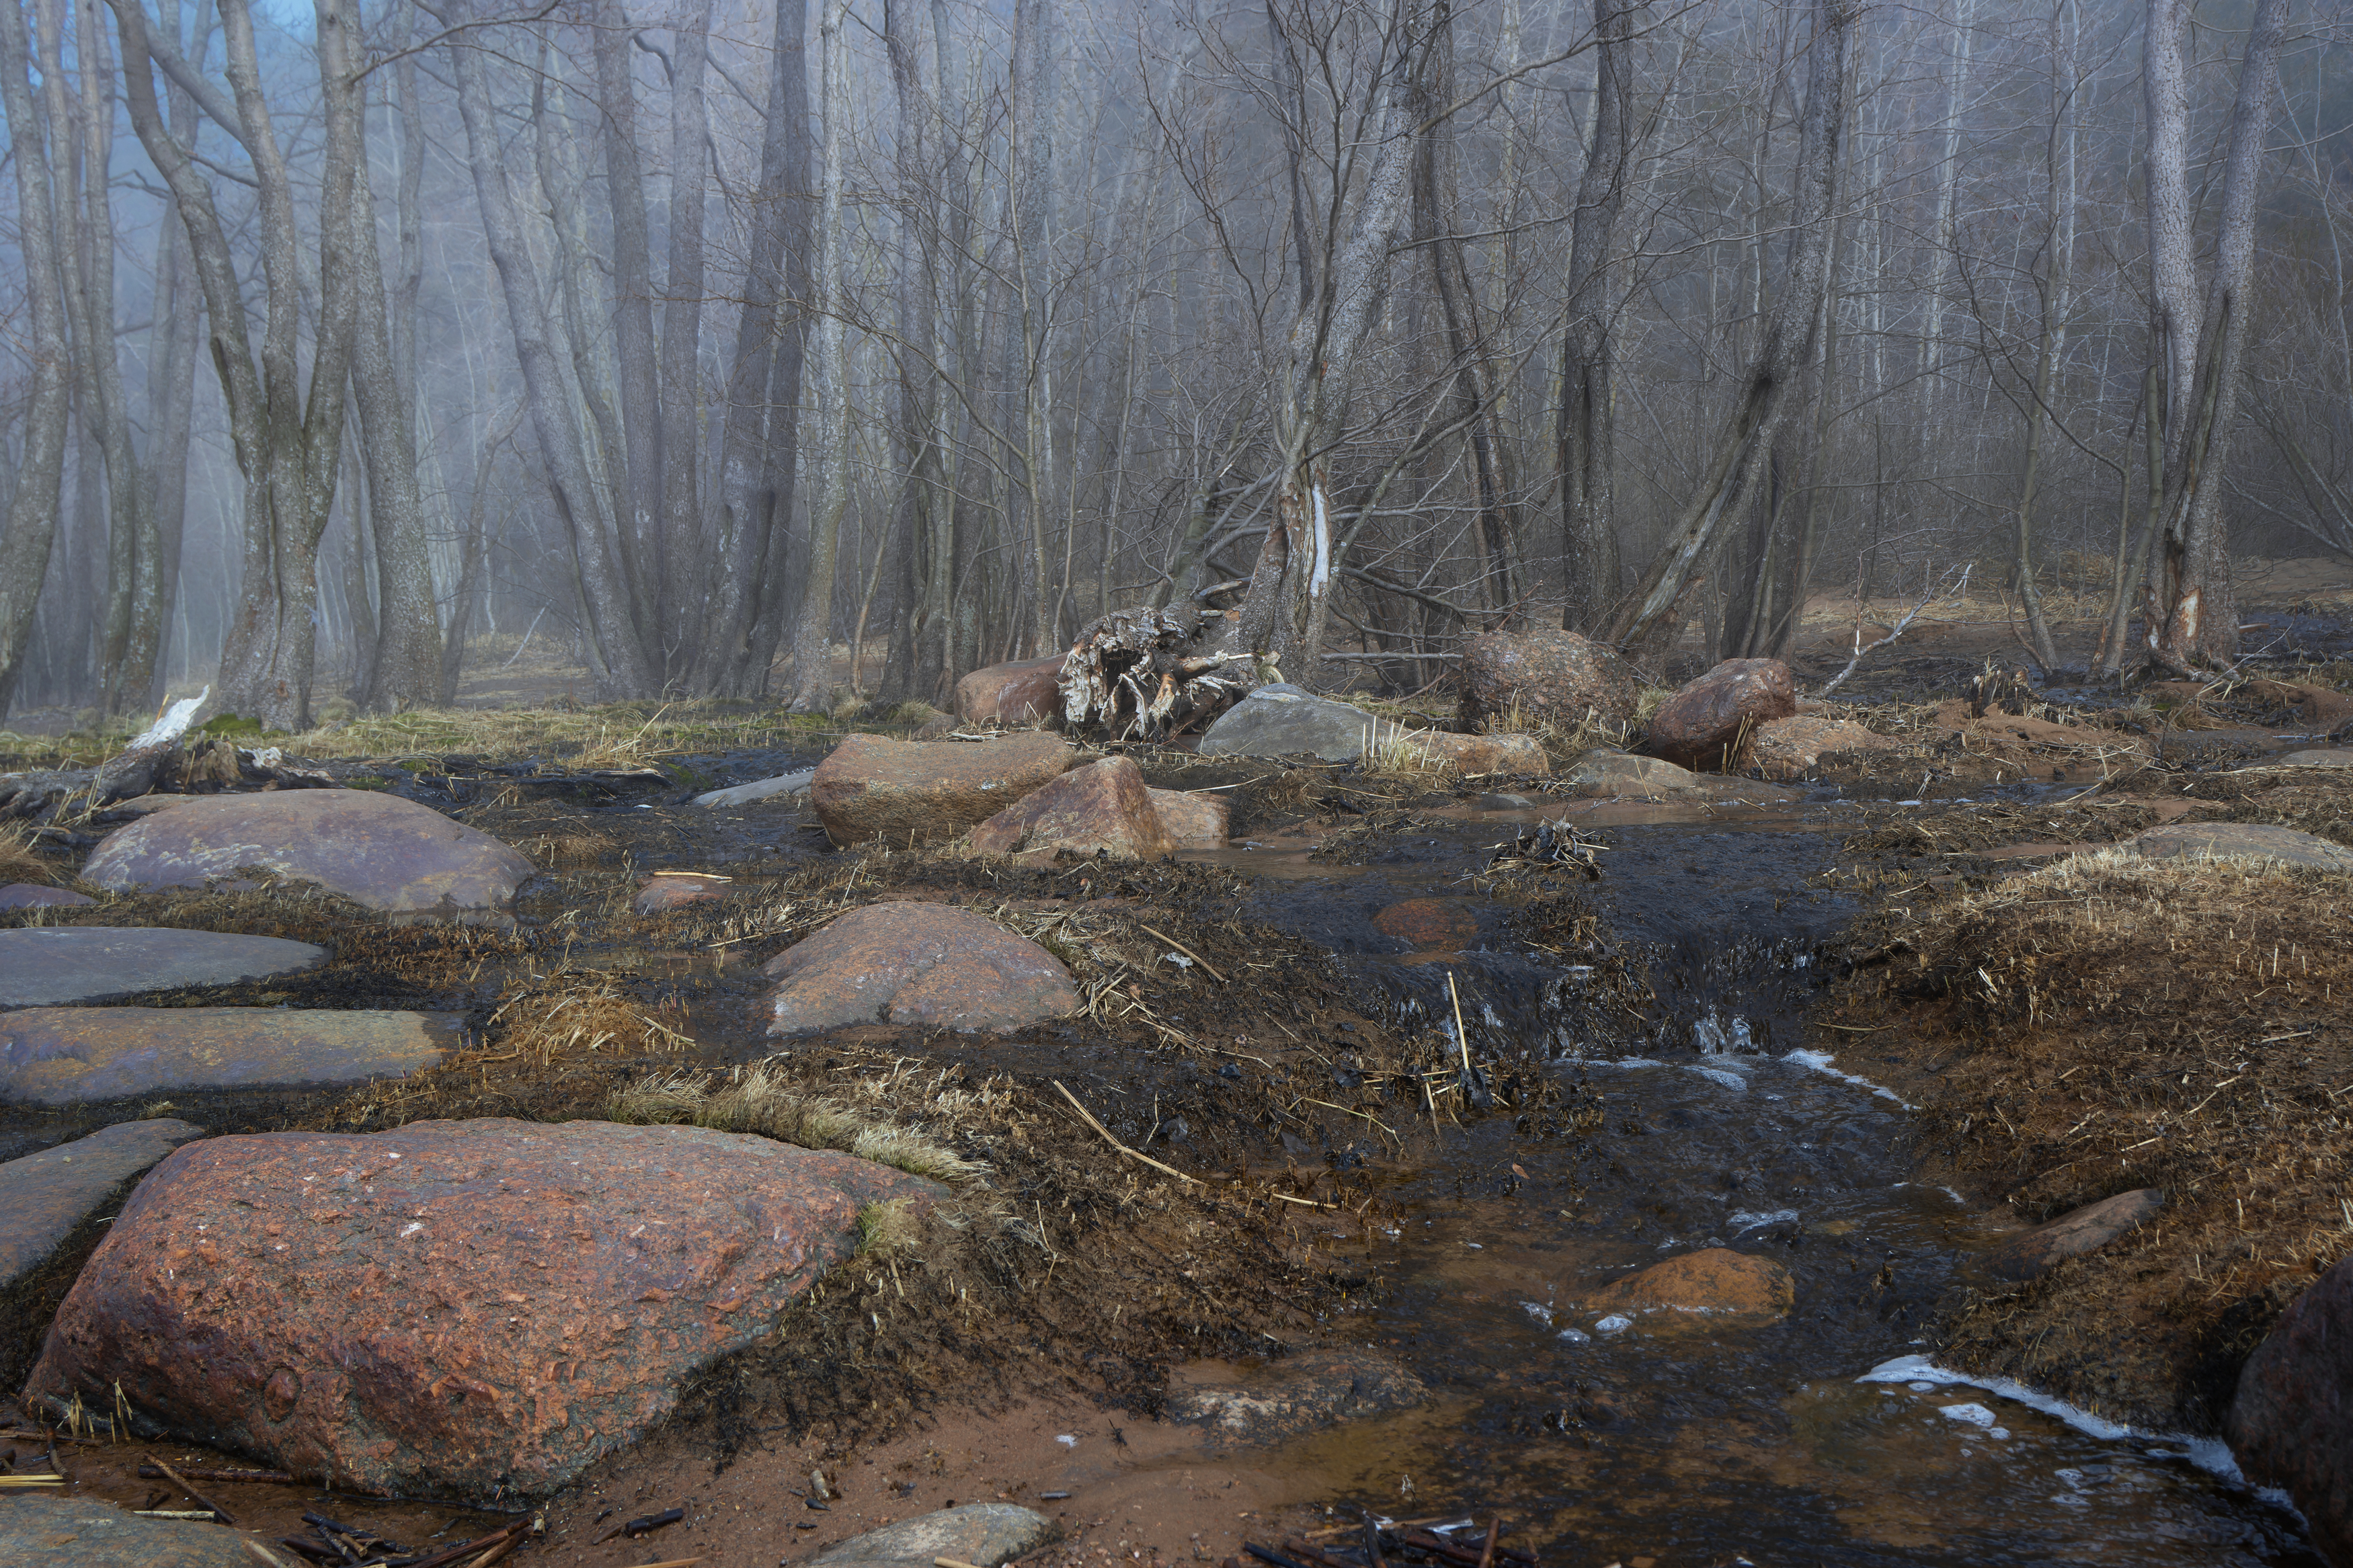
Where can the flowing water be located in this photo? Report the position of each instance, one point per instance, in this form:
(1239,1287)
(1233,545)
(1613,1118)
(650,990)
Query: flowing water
(1827,1437)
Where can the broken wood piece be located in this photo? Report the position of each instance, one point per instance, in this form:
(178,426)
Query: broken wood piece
(1186,951)
(177,1513)
(181,1481)
(155,1472)
(262,1554)
(1494,1527)
(1461,1036)
(951,1562)
(10,1483)
(1105,1133)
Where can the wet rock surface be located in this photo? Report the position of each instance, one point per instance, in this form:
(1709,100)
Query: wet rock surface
(674,890)
(66,1056)
(1614,776)
(1714,1285)
(48,966)
(1552,677)
(1194,820)
(1103,808)
(34,896)
(1018,693)
(88,1533)
(2243,841)
(377,849)
(1705,725)
(2317,757)
(919,964)
(46,1196)
(919,792)
(2291,1421)
(1441,924)
(452,1307)
(1791,748)
(985,1535)
(1298,1395)
(2087,1229)
(1286,721)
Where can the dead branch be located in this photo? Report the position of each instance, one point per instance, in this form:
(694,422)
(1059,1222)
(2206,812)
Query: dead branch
(1860,651)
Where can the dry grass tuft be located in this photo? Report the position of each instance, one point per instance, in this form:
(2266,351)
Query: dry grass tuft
(887,1228)
(762,1099)
(566,845)
(593,1018)
(17,861)
(2111,1023)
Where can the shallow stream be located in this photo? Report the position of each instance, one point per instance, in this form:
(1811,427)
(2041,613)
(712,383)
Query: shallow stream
(1810,1440)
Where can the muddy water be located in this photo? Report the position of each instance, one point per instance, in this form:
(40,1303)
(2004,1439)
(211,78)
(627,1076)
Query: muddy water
(1721,1128)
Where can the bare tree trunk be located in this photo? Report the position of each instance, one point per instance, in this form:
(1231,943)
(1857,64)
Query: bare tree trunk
(758,441)
(679,566)
(812,667)
(473,563)
(639,509)
(31,525)
(1744,449)
(1587,426)
(1289,600)
(617,658)
(407,665)
(2189,613)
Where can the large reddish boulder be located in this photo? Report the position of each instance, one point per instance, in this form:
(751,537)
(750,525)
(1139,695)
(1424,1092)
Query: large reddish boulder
(1706,725)
(1548,678)
(451,1307)
(913,791)
(2291,1423)
(1019,693)
(1102,807)
(915,964)
(375,849)
(1793,748)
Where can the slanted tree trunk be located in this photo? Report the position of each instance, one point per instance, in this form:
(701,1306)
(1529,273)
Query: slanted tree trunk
(1744,449)
(1586,432)
(30,527)
(829,366)
(2189,614)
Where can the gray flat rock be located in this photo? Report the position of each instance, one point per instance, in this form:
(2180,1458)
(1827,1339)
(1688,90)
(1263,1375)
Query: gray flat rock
(784,784)
(88,1533)
(1284,721)
(2317,757)
(44,1196)
(984,1534)
(66,1055)
(33,896)
(376,849)
(2243,841)
(48,966)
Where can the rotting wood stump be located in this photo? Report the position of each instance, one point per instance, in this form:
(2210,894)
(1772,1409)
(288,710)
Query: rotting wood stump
(1148,674)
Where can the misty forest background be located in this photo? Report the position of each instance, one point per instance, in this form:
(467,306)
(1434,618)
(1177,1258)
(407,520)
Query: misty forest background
(696,339)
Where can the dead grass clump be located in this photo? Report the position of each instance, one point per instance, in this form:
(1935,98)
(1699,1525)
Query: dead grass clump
(762,1099)
(588,1019)
(2112,1023)
(887,1228)
(17,861)
(568,845)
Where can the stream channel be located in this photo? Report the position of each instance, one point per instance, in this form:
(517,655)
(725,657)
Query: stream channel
(1809,1441)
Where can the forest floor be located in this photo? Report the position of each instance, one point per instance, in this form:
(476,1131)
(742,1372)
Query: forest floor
(2069,1027)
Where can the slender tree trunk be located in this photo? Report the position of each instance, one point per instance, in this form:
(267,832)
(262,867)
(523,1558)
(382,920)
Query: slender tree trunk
(1744,449)
(31,524)
(639,510)
(1586,432)
(617,658)
(812,666)
(678,565)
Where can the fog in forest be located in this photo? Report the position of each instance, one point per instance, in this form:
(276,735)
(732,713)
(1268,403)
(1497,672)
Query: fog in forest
(356,353)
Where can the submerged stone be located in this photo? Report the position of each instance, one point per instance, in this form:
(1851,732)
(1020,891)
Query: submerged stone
(1297,1394)
(33,896)
(36,1528)
(984,1534)
(48,966)
(2243,841)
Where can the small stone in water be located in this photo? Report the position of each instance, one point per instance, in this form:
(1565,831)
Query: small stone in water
(1576,1336)
(1975,1415)
(1613,1324)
